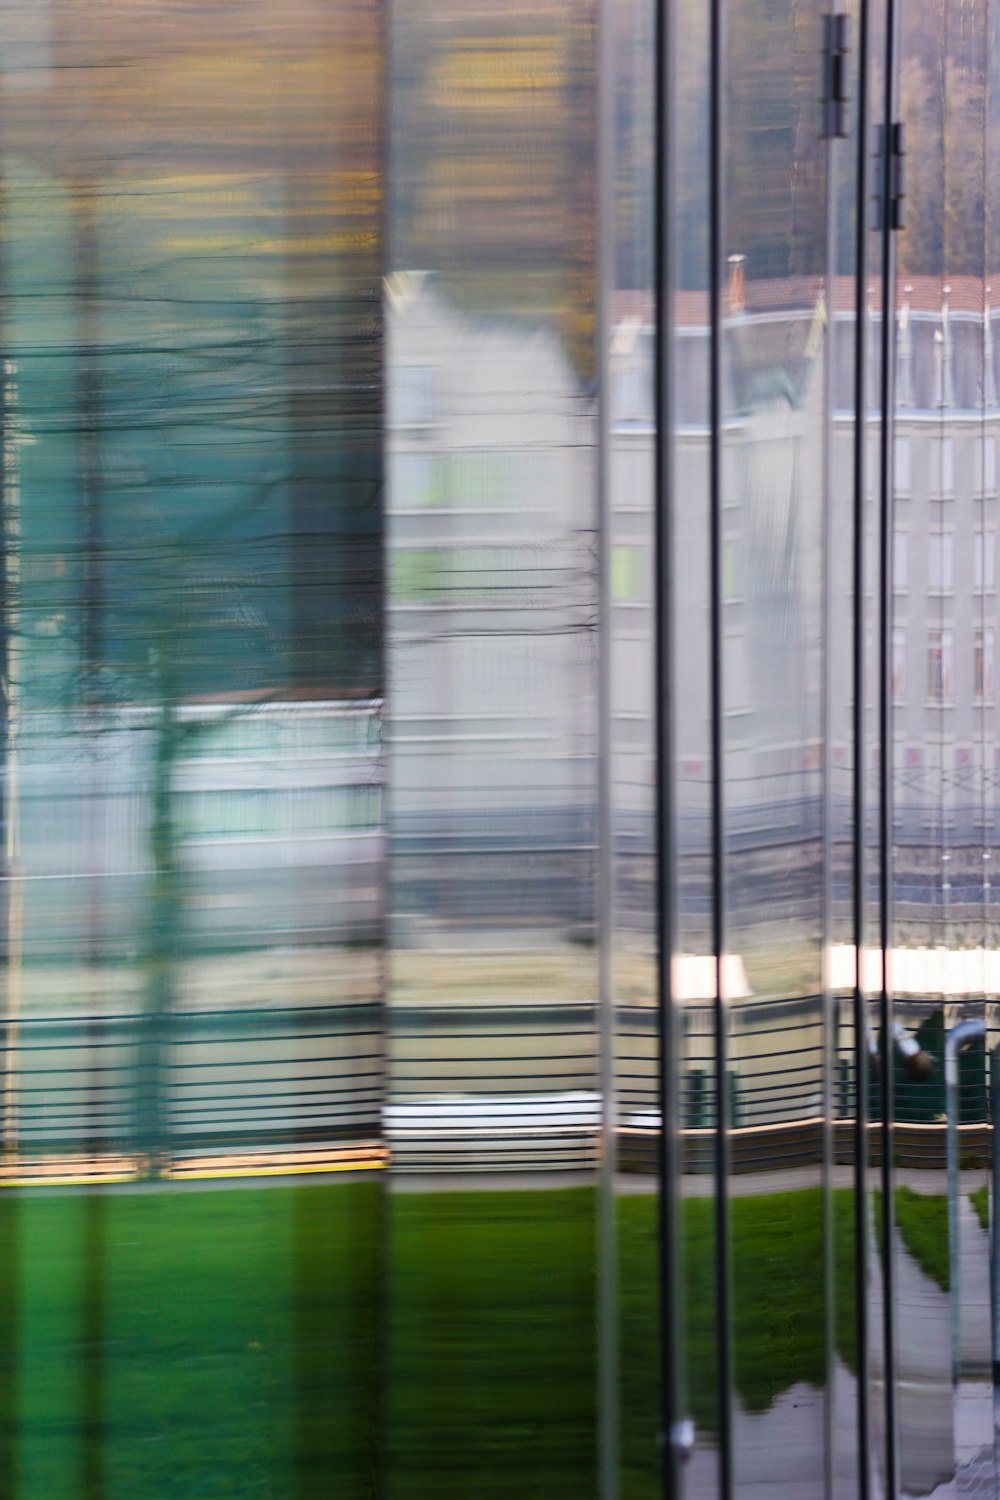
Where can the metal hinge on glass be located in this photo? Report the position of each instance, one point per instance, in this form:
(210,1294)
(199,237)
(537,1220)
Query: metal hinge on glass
(836,45)
(892,180)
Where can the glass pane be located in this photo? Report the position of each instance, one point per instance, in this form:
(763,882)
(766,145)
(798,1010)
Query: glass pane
(191,780)
(942,1312)
(632,476)
(689,582)
(494,1106)
(774,316)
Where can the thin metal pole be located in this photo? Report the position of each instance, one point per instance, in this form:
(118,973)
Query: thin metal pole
(675,1432)
(94,1270)
(995,1237)
(860,833)
(378,1405)
(827,626)
(10,583)
(717,137)
(887,350)
(607,1325)
(960,1036)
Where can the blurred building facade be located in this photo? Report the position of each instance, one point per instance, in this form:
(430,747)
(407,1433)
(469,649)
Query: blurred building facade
(498,748)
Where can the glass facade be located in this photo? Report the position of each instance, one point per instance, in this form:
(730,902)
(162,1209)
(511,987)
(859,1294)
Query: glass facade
(499,965)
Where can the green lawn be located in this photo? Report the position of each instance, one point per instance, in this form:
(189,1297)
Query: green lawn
(922,1220)
(980,1201)
(252,1341)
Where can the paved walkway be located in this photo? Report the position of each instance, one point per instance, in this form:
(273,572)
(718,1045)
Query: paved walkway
(777,1451)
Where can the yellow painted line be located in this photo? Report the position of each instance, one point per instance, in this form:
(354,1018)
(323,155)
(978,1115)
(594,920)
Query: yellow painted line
(219,1172)
(277,1169)
(13,1182)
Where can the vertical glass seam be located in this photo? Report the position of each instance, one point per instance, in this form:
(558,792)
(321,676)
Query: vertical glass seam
(670,1144)
(717,127)
(827,839)
(607,1340)
(859,864)
(886,754)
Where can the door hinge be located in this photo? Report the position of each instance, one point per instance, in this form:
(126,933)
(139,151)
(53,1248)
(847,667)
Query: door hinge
(836,46)
(891,175)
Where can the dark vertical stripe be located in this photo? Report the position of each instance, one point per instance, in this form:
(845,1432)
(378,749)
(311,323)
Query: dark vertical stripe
(9,1247)
(92,1369)
(8,607)
(717,128)
(606,1393)
(10,1260)
(92,1381)
(985,802)
(827,625)
(379,1249)
(859,863)
(10,1299)
(886,757)
(84,211)
(339,1327)
(338,1351)
(670,1164)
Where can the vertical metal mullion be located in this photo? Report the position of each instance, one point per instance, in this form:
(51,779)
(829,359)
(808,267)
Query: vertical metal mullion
(93,1397)
(369,1319)
(717,136)
(10,957)
(380,1385)
(607,1330)
(887,347)
(672,1419)
(826,918)
(859,809)
(986,801)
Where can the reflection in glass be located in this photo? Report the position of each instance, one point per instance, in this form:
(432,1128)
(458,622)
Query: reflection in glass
(773,317)
(192,786)
(382,425)
(494,1108)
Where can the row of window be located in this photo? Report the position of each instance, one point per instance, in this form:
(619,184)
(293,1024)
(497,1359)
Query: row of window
(469,479)
(940,679)
(942,470)
(632,574)
(941,562)
(303,813)
(461,575)
(422,480)
(275,737)
(939,683)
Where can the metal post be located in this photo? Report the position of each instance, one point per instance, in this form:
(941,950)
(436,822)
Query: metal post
(677,1431)
(717,701)
(995,1234)
(607,1318)
(961,1035)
